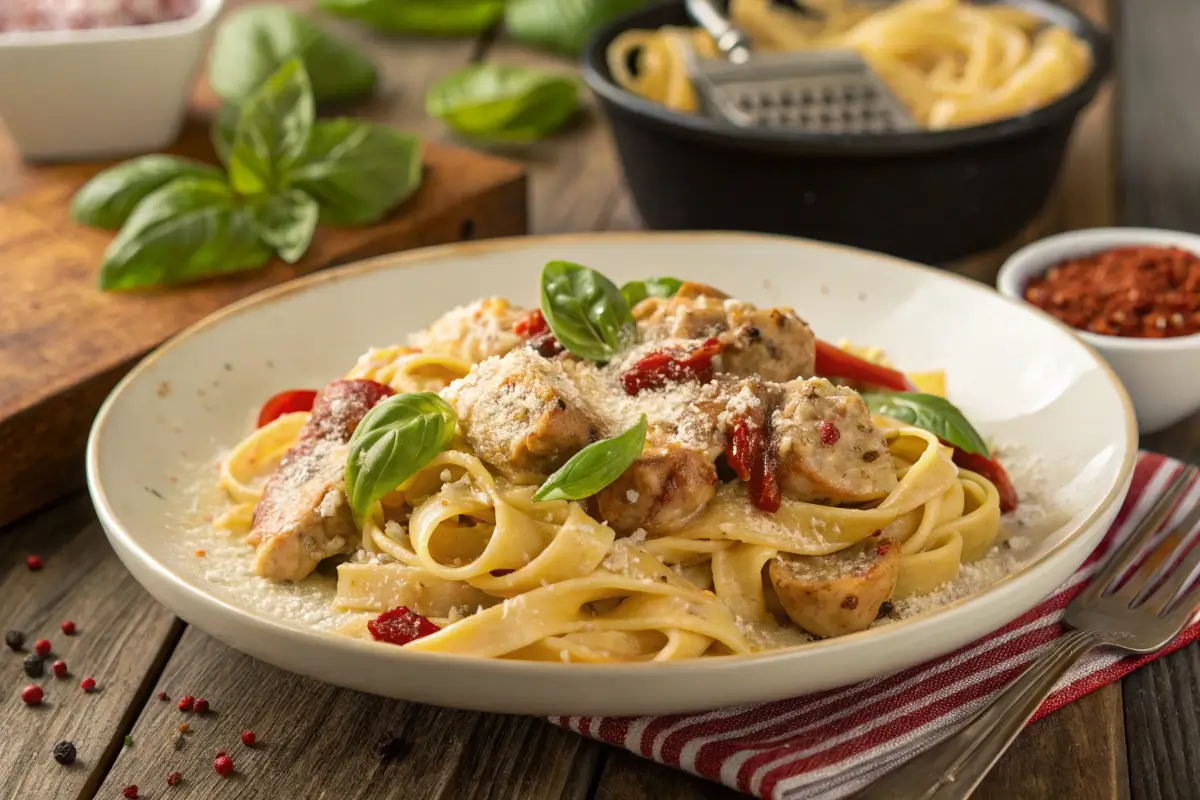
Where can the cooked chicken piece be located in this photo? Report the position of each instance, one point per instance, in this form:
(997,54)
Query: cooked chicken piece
(303,517)
(840,593)
(475,332)
(661,491)
(829,449)
(521,414)
(772,343)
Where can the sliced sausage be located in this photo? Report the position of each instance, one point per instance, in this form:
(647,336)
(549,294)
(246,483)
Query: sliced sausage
(303,517)
(521,414)
(829,449)
(840,593)
(660,492)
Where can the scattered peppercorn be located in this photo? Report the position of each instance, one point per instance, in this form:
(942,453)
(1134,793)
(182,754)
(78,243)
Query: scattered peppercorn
(163,696)
(34,563)
(42,647)
(87,684)
(68,627)
(885,608)
(173,779)
(200,706)
(130,792)
(64,753)
(59,668)
(390,746)
(32,695)
(248,738)
(15,640)
(34,666)
(128,740)
(186,702)
(223,765)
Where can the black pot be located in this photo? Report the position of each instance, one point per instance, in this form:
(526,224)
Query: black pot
(930,196)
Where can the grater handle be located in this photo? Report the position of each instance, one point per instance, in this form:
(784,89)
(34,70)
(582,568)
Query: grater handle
(731,40)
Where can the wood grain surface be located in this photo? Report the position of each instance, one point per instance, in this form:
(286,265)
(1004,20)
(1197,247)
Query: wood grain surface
(1137,740)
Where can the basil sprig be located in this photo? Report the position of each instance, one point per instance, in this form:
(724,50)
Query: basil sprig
(433,17)
(504,103)
(930,413)
(185,221)
(253,42)
(637,291)
(562,25)
(595,466)
(394,440)
(586,313)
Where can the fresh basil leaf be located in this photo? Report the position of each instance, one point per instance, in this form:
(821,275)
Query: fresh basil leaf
(108,199)
(358,171)
(189,229)
(394,440)
(930,413)
(224,131)
(432,17)
(595,466)
(585,311)
(273,130)
(504,103)
(562,25)
(637,291)
(286,222)
(253,42)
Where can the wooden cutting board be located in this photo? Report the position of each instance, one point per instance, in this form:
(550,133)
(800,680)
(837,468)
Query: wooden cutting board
(64,344)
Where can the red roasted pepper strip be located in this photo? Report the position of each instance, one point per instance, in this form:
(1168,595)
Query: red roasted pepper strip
(749,454)
(661,367)
(287,402)
(834,362)
(990,468)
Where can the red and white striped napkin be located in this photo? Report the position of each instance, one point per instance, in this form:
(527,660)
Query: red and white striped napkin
(832,744)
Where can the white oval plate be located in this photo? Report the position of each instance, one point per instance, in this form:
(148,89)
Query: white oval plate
(1020,376)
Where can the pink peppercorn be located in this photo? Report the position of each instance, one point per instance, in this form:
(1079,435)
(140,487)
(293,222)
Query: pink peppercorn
(130,792)
(248,738)
(68,627)
(59,668)
(223,765)
(200,706)
(34,563)
(32,695)
(42,647)
(186,702)
(173,779)
(87,684)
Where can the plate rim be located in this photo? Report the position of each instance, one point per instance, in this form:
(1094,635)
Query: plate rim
(402,260)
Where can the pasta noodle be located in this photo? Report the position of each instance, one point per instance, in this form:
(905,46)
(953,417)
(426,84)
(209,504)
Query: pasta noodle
(506,576)
(950,62)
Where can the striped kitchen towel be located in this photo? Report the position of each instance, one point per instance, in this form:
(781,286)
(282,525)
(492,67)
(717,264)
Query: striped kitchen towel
(832,744)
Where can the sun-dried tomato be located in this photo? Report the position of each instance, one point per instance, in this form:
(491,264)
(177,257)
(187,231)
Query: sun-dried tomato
(657,369)
(400,626)
(531,324)
(750,455)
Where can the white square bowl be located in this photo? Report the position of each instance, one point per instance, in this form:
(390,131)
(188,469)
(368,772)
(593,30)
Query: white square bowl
(103,92)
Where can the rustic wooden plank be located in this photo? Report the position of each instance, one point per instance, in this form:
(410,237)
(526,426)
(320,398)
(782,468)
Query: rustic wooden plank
(315,740)
(629,777)
(62,350)
(1158,165)
(123,636)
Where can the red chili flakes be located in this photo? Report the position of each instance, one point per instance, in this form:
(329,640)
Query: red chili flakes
(87,684)
(173,779)
(248,738)
(59,668)
(1148,292)
(657,369)
(400,626)
(186,702)
(68,627)
(32,695)
(163,696)
(223,765)
(42,647)
(200,706)
(829,433)
(883,550)
(130,792)
(34,563)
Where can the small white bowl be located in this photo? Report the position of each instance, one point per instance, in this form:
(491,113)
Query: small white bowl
(101,92)
(1162,376)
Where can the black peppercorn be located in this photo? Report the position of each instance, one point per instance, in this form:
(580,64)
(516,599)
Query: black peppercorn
(64,753)
(390,746)
(34,666)
(15,640)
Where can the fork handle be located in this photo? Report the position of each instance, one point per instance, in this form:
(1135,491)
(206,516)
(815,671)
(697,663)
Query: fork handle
(954,767)
(731,40)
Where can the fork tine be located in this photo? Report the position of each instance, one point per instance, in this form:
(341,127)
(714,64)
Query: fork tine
(1127,555)
(1177,575)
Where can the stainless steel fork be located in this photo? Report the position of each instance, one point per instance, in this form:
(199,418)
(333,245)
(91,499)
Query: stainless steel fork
(1140,614)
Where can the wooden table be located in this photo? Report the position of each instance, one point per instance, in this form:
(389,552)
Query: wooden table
(1135,161)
